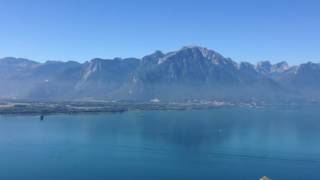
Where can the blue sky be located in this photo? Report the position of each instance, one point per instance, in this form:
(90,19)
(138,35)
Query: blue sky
(80,30)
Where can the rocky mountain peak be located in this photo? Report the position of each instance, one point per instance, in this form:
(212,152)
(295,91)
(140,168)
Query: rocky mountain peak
(22,62)
(280,67)
(193,52)
(264,67)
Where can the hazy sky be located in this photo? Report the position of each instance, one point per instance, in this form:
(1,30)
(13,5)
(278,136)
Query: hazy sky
(80,30)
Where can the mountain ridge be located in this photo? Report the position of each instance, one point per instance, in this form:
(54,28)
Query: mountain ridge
(191,72)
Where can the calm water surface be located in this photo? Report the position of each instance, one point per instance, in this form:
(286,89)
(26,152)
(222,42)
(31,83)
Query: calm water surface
(232,143)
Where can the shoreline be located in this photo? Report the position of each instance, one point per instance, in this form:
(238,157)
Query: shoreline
(50,108)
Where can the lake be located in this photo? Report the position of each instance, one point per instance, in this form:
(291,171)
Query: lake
(228,143)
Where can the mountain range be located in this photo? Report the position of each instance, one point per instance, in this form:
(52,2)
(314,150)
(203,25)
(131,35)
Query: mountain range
(189,73)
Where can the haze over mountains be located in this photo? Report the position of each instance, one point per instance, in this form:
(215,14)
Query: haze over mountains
(189,73)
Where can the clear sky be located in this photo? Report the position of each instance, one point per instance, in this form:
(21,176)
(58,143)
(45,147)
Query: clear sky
(245,30)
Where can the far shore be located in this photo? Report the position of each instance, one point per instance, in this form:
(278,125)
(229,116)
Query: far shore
(46,108)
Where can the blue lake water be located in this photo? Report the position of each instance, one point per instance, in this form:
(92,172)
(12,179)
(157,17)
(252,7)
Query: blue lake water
(229,143)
